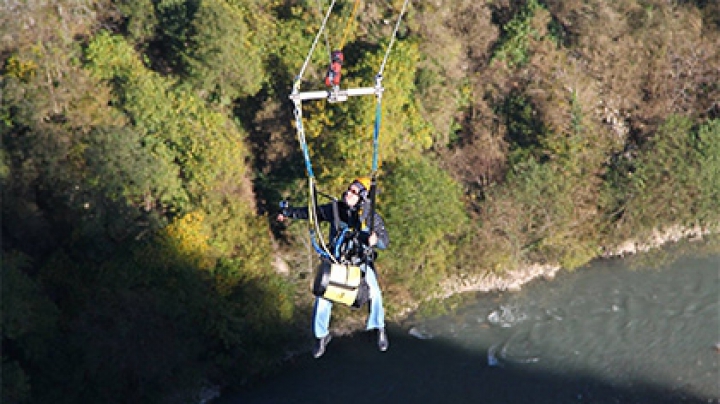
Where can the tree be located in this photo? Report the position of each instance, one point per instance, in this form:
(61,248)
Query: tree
(423,207)
(221,54)
(29,325)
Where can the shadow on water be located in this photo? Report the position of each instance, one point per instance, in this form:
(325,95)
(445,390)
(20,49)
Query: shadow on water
(434,371)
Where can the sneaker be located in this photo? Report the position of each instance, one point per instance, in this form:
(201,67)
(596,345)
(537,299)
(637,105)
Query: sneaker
(320,345)
(383,342)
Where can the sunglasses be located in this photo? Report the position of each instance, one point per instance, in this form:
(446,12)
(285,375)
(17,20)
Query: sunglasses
(354,191)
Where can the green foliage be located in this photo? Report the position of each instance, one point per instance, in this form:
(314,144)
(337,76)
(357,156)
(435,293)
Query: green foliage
(708,179)
(424,213)
(665,186)
(29,319)
(15,383)
(140,19)
(125,320)
(547,210)
(513,47)
(27,314)
(19,69)
(290,39)
(220,53)
(161,312)
(4,165)
(50,106)
(196,147)
(444,84)
(531,218)
(147,101)
(524,126)
(174,20)
(109,177)
(672,180)
(248,307)
(119,168)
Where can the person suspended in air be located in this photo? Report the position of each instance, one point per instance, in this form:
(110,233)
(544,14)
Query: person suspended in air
(332,78)
(353,244)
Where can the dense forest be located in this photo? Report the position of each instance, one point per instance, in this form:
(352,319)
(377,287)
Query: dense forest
(146,145)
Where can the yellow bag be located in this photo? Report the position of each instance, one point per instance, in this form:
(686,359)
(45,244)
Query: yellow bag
(342,284)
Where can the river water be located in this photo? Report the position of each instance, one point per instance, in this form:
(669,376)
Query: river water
(615,331)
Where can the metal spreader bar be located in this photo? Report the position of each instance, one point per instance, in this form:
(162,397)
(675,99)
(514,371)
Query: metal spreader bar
(336,94)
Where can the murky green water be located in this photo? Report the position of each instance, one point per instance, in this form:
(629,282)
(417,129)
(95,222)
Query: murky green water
(656,326)
(606,333)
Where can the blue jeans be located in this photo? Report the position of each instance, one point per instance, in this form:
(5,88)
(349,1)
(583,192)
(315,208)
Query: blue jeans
(376,319)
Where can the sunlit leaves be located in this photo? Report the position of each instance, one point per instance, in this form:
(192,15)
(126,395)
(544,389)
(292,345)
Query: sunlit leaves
(673,180)
(424,210)
(220,55)
(514,47)
(709,176)
(200,145)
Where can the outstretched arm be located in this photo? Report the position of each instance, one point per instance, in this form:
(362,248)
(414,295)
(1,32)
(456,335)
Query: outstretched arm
(324,213)
(292,213)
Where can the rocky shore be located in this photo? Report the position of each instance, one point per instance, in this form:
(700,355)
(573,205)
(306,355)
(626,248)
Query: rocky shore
(514,280)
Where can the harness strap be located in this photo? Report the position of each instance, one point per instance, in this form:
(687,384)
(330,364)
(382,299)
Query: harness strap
(336,215)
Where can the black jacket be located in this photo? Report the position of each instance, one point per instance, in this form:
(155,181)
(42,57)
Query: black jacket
(348,217)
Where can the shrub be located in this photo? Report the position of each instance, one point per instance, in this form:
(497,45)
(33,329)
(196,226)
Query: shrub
(424,213)
(673,180)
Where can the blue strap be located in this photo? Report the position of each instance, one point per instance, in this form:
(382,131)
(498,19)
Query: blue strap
(301,138)
(338,243)
(376,135)
(317,248)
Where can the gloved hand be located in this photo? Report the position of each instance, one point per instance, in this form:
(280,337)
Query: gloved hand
(284,211)
(368,239)
(370,254)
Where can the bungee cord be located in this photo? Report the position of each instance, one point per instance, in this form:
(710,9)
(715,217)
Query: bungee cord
(392,37)
(327,39)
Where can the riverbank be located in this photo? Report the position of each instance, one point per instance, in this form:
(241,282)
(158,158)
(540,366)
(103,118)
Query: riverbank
(514,280)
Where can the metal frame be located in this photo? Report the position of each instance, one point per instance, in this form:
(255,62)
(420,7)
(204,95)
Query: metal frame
(336,94)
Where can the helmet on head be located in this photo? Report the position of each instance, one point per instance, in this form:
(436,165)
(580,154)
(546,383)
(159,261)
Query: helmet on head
(363,183)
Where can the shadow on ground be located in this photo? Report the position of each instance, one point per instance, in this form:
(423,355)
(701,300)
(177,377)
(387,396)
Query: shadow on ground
(432,371)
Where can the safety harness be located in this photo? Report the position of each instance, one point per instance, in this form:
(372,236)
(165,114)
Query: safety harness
(343,279)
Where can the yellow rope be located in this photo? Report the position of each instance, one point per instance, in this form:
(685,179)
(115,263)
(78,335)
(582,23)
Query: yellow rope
(349,24)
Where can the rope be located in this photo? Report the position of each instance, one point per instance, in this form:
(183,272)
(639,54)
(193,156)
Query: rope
(301,138)
(315,230)
(296,85)
(392,38)
(327,41)
(314,223)
(376,135)
(378,85)
(378,117)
